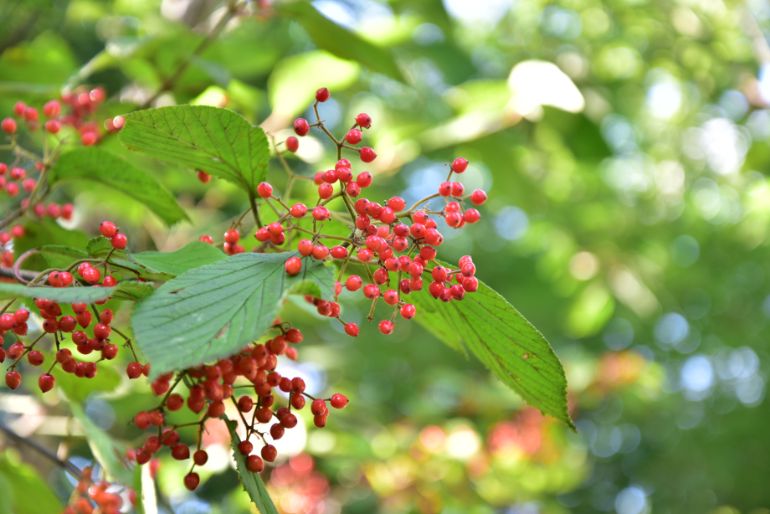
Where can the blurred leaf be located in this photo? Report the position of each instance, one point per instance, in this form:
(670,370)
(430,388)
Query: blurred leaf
(58,294)
(341,42)
(41,233)
(27,491)
(106,450)
(175,263)
(77,390)
(294,81)
(590,311)
(213,311)
(47,59)
(252,482)
(501,338)
(95,164)
(217,141)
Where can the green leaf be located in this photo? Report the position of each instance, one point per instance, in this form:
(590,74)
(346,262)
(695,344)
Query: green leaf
(252,482)
(340,41)
(175,263)
(504,341)
(76,389)
(97,165)
(29,493)
(58,294)
(217,141)
(133,290)
(105,449)
(213,311)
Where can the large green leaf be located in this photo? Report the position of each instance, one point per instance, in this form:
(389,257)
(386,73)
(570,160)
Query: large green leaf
(218,141)
(213,311)
(97,165)
(340,41)
(190,256)
(252,482)
(57,294)
(501,338)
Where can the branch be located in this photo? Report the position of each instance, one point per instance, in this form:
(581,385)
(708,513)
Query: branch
(25,274)
(42,450)
(167,84)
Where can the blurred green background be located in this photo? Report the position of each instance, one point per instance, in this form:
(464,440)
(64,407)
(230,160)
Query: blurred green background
(625,148)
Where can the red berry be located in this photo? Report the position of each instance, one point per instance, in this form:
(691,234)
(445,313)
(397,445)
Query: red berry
(459,165)
(301,126)
(232,236)
(245,403)
(351,329)
(203,177)
(108,229)
(471,216)
(408,311)
(386,327)
(255,464)
(134,370)
(292,144)
(9,126)
(35,358)
(338,401)
(180,452)
(191,481)
(363,120)
(298,210)
(264,190)
(353,283)
(119,241)
(269,453)
(13,379)
(245,447)
(353,136)
(293,265)
(321,213)
(53,126)
(367,154)
(200,457)
(322,94)
(478,197)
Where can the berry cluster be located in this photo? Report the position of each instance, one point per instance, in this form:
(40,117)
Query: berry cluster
(250,382)
(81,106)
(95,497)
(396,246)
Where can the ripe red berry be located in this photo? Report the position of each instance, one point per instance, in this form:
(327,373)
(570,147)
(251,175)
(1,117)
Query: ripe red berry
(321,213)
(322,94)
(200,457)
(264,190)
(367,154)
(353,283)
(191,481)
(298,210)
(13,379)
(119,241)
(35,358)
(301,126)
(408,311)
(232,236)
(108,229)
(53,126)
(338,401)
(292,144)
(353,136)
(363,120)
(203,177)
(293,265)
(386,327)
(245,447)
(255,464)
(52,109)
(478,196)
(9,125)
(459,165)
(134,370)
(269,452)
(471,216)
(351,329)
(180,452)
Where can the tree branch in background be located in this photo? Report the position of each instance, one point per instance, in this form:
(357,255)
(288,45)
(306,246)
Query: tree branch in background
(42,450)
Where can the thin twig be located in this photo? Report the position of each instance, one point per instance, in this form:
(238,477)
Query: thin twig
(42,450)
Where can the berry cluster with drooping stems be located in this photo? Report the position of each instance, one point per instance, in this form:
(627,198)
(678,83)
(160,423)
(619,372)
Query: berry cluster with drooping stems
(394,246)
(96,496)
(77,329)
(249,382)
